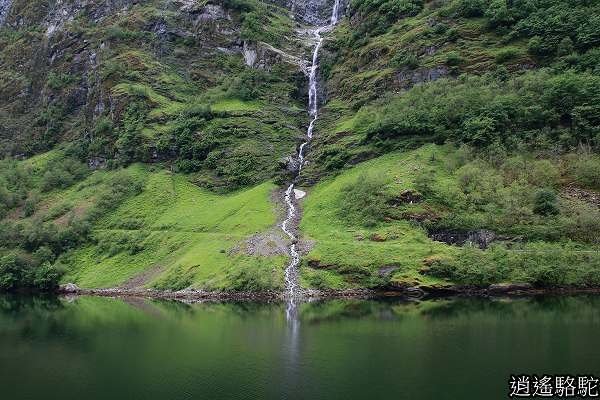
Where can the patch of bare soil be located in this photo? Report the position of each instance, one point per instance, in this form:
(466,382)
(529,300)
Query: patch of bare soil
(274,241)
(143,278)
(76,212)
(585,195)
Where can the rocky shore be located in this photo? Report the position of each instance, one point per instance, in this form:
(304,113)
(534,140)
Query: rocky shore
(412,293)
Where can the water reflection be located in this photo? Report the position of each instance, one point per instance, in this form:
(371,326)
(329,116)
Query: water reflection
(97,348)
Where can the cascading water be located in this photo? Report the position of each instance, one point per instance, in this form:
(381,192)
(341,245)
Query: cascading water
(291,272)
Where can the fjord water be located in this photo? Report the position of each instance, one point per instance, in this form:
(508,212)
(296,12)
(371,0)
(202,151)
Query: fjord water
(103,348)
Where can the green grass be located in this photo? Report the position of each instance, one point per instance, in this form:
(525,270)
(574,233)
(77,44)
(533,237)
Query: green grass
(352,244)
(347,249)
(170,201)
(235,105)
(188,236)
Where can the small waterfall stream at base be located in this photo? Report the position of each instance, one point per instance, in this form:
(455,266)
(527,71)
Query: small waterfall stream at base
(291,271)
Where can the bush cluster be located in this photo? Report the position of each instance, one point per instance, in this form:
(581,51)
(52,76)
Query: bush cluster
(540,109)
(378,15)
(539,264)
(363,201)
(30,247)
(516,195)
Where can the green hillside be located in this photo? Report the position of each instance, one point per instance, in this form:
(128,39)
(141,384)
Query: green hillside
(146,144)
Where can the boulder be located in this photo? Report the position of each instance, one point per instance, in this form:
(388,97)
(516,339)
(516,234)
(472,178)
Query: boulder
(387,270)
(482,238)
(69,288)
(500,288)
(407,78)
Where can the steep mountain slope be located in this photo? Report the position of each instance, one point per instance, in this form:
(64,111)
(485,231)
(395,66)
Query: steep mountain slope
(146,143)
(214,91)
(511,89)
(151,81)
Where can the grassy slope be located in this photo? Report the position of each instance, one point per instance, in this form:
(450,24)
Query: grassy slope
(366,70)
(186,235)
(346,254)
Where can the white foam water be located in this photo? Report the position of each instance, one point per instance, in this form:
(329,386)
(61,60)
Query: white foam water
(291,271)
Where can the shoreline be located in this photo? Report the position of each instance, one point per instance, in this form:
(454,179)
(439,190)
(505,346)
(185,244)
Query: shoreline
(412,294)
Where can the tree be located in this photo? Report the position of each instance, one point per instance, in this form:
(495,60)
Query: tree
(545,203)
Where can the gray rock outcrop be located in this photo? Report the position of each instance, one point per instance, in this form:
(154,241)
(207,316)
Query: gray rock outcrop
(4,10)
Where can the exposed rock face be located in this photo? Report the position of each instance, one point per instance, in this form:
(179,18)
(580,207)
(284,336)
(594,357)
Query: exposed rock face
(480,238)
(97,163)
(249,54)
(210,12)
(408,78)
(82,49)
(407,196)
(4,10)
(313,12)
(387,270)
(588,196)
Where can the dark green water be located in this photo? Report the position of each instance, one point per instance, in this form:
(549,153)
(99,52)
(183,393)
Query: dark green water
(100,348)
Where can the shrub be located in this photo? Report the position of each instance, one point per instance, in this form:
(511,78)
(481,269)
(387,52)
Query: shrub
(129,144)
(537,109)
(62,173)
(117,242)
(453,59)
(363,201)
(471,8)
(565,47)
(58,81)
(405,59)
(539,264)
(585,169)
(474,267)
(537,47)
(118,188)
(238,167)
(425,182)
(248,84)
(376,16)
(252,27)
(30,204)
(13,272)
(498,14)
(506,54)
(545,202)
(19,272)
(588,31)
(452,35)
(582,223)
(250,279)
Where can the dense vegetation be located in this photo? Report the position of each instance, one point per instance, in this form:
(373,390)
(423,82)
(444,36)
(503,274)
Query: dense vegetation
(375,219)
(38,227)
(510,88)
(505,74)
(158,82)
(141,144)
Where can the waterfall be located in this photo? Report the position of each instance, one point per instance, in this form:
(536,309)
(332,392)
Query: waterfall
(335,13)
(291,271)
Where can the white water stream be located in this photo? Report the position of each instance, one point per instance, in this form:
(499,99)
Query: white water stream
(291,194)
